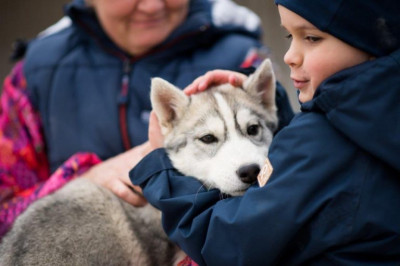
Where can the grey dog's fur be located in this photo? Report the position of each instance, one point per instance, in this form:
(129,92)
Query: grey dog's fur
(85,224)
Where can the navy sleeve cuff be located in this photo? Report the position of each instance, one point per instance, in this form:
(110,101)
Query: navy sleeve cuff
(155,162)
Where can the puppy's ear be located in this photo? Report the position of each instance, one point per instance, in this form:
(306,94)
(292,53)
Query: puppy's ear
(261,84)
(168,102)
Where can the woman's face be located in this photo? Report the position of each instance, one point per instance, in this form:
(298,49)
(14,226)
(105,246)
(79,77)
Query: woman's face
(136,26)
(314,55)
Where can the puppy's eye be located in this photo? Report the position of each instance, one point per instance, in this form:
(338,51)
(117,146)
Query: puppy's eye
(253,130)
(208,139)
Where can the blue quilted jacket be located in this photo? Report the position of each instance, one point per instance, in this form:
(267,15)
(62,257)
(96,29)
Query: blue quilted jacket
(334,194)
(94,97)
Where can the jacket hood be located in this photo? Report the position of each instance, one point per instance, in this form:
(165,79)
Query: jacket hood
(362,102)
(205,18)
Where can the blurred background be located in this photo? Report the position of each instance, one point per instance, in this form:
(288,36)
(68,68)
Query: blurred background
(21,19)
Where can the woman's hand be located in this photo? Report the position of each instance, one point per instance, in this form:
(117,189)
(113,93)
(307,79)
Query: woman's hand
(215,77)
(113,174)
(156,138)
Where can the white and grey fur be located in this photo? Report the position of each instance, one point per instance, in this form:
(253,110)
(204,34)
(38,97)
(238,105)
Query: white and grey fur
(220,136)
(206,135)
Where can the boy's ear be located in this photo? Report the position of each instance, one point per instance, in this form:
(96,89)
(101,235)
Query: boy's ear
(261,84)
(168,102)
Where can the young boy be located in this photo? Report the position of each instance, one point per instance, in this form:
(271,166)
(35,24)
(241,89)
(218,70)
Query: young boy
(334,192)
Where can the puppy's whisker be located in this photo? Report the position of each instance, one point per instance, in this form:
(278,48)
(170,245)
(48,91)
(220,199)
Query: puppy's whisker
(202,186)
(198,191)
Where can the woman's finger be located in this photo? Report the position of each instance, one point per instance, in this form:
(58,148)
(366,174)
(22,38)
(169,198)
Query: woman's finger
(128,194)
(156,138)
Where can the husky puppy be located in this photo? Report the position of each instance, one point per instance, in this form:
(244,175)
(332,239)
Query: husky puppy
(220,136)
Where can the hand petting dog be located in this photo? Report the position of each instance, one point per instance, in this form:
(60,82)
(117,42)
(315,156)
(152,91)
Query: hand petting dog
(214,78)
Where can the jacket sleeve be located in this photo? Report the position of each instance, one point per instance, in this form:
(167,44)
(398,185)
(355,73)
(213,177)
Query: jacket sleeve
(24,171)
(263,224)
(212,230)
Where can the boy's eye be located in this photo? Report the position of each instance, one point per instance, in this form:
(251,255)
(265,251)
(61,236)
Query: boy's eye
(208,139)
(289,36)
(313,38)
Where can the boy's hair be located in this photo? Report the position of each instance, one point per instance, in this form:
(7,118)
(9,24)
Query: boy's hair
(370,25)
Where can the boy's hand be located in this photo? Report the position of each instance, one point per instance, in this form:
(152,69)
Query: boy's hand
(215,77)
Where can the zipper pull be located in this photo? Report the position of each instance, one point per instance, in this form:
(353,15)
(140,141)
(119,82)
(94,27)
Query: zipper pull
(127,66)
(123,96)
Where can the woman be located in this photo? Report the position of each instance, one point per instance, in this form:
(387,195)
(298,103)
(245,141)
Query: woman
(80,98)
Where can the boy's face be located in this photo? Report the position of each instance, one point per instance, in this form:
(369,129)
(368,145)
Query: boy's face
(314,55)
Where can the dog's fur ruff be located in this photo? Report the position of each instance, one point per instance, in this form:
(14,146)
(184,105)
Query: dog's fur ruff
(220,136)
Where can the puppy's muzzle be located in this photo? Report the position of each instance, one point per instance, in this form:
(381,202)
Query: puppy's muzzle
(248,173)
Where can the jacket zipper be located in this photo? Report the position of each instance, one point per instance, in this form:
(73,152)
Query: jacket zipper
(123,96)
(122,104)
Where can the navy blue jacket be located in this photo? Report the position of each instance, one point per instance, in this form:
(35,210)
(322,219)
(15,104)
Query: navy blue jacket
(75,76)
(333,197)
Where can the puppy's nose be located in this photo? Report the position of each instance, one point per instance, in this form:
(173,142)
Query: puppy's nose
(248,173)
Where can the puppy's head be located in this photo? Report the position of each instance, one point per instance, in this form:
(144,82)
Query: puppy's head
(220,136)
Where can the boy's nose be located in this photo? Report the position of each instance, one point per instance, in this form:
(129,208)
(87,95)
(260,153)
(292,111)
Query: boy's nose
(292,57)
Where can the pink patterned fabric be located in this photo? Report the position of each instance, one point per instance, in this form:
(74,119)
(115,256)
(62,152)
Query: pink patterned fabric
(24,169)
(187,261)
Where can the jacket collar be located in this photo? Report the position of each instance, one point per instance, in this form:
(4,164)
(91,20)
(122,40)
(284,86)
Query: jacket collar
(362,102)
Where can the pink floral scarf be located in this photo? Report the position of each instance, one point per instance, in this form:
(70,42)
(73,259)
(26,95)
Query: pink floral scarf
(24,169)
